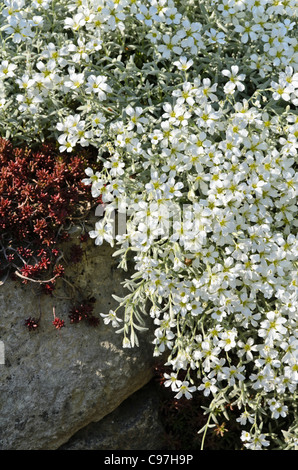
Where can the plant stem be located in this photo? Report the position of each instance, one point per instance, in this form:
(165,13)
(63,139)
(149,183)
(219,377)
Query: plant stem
(205,432)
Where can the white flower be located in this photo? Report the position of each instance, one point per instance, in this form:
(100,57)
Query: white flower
(215,37)
(74,23)
(74,81)
(172,381)
(98,120)
(135,118)
(257,442)
(277,408)
(112,318)
(126,343)
(172,188)
(115,165)
(228,339)
(97,84)
(172,15)
(41,4)
(273,327)
(154,36)
(208,386)
(247,349)
(244,418)
(92,177)
(185,390)
(170,45)
(281,90)
(183,63)
(248,31)
(67,142)
(235,80)
(254,441)
(19,28)
(25,82)
(147,15)
(7,69)
(163,340)
(103,232)
(37,20)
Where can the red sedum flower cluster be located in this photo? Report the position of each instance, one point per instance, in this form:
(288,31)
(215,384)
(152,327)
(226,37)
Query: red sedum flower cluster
(41,191)
(84,312)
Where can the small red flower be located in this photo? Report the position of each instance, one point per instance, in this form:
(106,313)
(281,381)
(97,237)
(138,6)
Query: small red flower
(58,323)
(48,288)
(83,311)
(31,323)
(58,270)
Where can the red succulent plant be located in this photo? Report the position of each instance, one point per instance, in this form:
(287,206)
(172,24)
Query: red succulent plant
(41,191)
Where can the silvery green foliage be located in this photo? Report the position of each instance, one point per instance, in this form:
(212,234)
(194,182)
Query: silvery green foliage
(192,106)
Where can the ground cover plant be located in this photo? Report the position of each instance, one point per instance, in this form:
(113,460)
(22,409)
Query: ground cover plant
(192,109)
(43,202)
(41,194)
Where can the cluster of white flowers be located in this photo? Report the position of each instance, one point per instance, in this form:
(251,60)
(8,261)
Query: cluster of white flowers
(192,108)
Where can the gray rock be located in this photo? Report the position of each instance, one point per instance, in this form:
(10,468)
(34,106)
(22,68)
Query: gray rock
(134,425)
(55,382)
